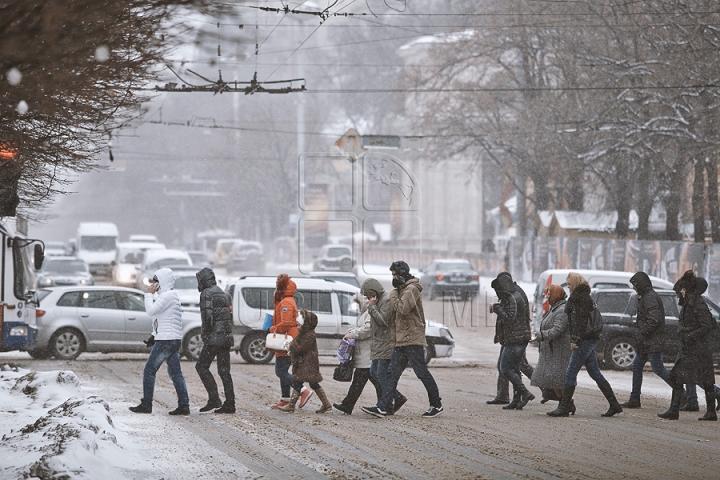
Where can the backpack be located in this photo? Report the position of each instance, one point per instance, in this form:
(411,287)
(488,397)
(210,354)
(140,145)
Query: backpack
(595,321)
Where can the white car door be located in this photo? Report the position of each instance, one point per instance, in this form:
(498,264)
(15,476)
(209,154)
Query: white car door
(138,324)
(102,318)
(327,331)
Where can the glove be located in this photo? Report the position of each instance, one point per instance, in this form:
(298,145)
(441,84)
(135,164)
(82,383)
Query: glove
(495,308)
(150,341)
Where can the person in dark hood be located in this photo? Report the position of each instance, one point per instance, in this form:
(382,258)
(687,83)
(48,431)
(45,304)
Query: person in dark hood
(583,340)
(502,394)
(305,364)
(650,338)
(217,340)
(691,405)
(694,363)
(512,331)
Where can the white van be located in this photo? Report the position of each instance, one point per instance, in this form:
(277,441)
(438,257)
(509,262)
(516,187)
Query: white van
(97,246)
(596,279)
(331,301)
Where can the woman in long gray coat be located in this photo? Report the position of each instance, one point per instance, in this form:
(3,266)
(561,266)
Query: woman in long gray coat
(553,345)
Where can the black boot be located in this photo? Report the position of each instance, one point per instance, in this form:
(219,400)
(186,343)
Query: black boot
(615,406)
(525,397)
(566,404)
(710,415)
(515,401)
(674,412)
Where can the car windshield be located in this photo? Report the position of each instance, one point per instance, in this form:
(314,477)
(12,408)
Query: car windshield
(98,244)
(186,283)
(198,258)
(164,262)
(454,266)
(65,266)
(337,252)
(131,256)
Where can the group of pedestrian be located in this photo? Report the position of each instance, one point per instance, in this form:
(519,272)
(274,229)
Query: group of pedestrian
(163,304)
(567,338)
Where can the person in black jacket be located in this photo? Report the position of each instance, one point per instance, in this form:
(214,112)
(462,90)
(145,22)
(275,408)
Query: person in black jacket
(694,363)
(502,393)
(217,340)
(650,338)
(583,341)
(513,333)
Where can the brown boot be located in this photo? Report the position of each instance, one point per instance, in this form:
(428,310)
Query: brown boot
(326,405)
(290,407)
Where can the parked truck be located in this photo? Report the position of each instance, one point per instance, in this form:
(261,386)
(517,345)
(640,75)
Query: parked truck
(20,257)
(97,246)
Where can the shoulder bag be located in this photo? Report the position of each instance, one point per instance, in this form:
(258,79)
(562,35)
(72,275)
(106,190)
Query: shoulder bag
(278,342)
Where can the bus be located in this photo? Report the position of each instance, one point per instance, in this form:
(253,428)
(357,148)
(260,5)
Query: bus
(20,257)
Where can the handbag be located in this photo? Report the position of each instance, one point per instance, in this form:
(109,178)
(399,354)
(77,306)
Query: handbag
(278,342)
(344,371)
(268,322)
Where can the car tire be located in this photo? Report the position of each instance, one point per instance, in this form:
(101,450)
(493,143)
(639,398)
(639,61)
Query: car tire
(192,344)
(39,353)
(620,353)
(66,344)
(252,349)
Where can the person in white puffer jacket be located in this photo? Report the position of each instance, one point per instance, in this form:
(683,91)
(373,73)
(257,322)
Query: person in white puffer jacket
(163,304)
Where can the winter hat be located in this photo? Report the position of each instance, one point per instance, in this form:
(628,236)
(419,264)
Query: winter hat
(281,285)
(688,281)
(401,268)
(555,293)
(574,280)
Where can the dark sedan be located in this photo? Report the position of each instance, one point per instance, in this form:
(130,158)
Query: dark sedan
(450,277)
(617,344)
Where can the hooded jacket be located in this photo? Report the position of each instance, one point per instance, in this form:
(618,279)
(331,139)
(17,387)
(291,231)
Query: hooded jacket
(286,311)
(513,322)
(164,307)
(650,316)
(362,333)
(380,314)
(214,311)
(304,352)
(407,326)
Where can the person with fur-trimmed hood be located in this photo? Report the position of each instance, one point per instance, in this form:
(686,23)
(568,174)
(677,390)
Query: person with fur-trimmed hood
(305,364)
(216,334)
(512,331)
(583,342)
(694,363)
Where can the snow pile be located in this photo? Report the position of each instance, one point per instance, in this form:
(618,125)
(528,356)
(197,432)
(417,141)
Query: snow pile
(68,435)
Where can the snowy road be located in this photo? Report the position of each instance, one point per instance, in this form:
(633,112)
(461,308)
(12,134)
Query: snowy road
(470,440)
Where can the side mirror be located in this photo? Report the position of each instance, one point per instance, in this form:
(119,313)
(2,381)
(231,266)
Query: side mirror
(39,256)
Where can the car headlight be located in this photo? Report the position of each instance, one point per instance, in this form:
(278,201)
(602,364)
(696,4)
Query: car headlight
(146,281)
(47,281)
(19,331)
(83,281)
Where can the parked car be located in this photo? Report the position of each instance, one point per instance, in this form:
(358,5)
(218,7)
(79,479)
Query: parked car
(596,279)
(222,250)
(154,260)
(617,345)
(186,286)
(347,277)
(73,320)
(252,298)
(127,263)
(199,259)
(450,276)
(246,256)
(63,271)
(334,257)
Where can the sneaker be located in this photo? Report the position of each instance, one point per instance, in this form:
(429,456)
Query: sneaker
(399,402)
(226,408)
(279,404)
(180,411)
(433,412)
(211,405)
(375,411)
(141,409)
(305,395)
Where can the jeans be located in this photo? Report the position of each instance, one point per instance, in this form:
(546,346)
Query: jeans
(510,359)
(401,357)
(282,371)
(164,350)
(503,384)
(380,370)
(584,355)
(656,362)
(202,367)
(360,379)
